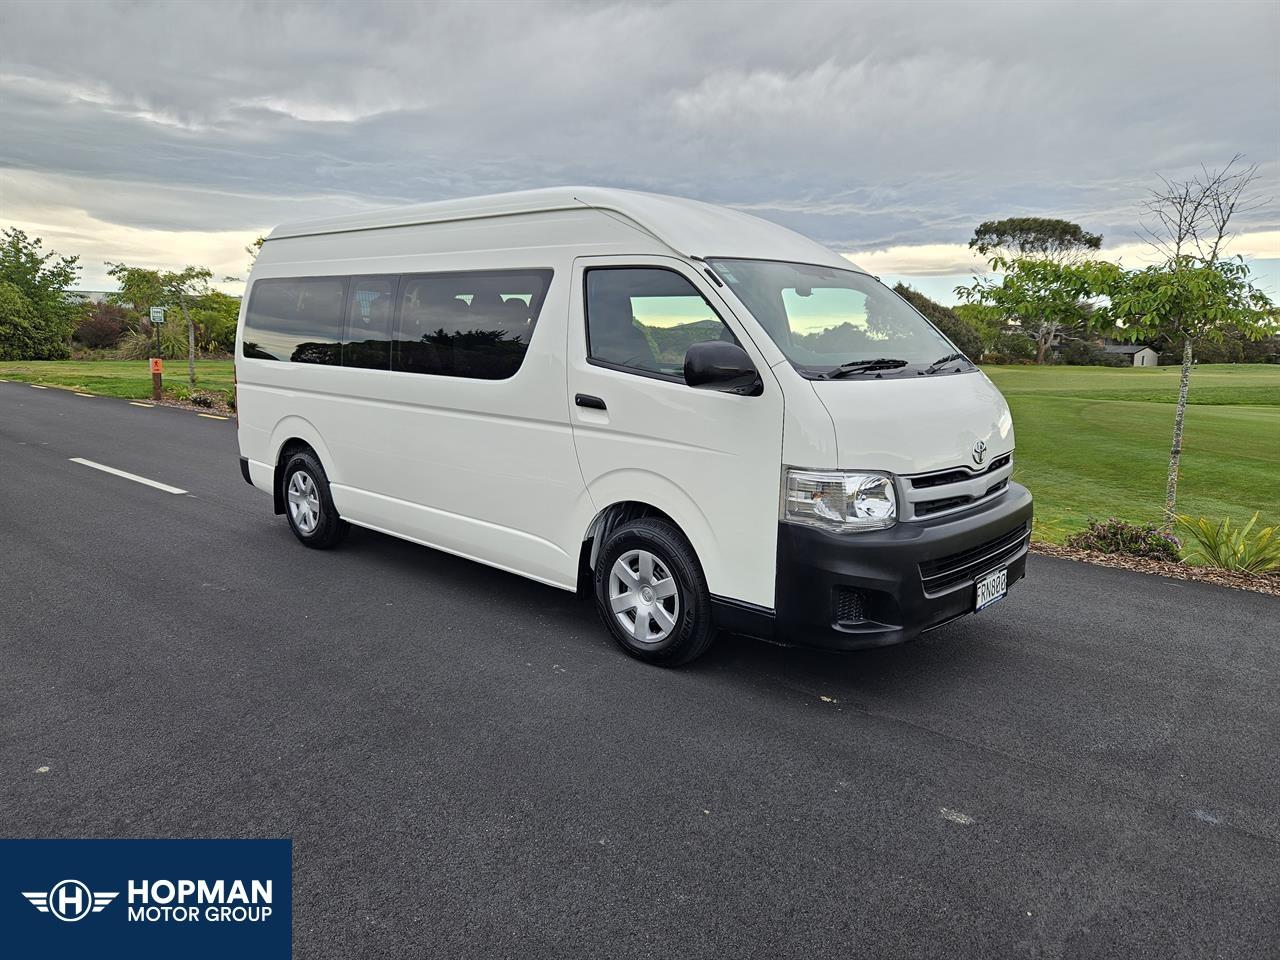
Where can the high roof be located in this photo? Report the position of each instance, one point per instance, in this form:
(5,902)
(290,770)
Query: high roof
(689,227)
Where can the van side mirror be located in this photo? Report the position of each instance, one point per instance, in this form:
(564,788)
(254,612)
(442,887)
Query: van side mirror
(717,365)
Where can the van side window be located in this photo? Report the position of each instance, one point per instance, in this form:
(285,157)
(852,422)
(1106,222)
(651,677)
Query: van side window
(297,319)
(645,318)
(475,325)
(367,342)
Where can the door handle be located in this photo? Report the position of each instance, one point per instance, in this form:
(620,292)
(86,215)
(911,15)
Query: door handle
(586,400)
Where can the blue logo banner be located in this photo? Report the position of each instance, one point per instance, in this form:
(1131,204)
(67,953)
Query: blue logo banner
(146,899)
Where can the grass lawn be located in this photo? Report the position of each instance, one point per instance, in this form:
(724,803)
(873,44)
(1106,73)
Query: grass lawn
(130,379)
(1092,441)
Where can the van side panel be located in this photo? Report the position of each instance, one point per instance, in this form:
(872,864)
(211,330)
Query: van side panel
(482,468)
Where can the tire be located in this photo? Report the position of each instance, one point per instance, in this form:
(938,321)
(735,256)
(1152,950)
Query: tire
(677,625)
(312,516)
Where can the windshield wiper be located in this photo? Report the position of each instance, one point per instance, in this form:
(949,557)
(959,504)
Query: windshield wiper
(943,361)
(862,366)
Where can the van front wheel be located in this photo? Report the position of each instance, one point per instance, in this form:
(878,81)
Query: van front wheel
(651,594)
(312,516)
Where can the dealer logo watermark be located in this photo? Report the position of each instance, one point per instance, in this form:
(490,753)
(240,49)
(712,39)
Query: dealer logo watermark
(70,900)
(163,901)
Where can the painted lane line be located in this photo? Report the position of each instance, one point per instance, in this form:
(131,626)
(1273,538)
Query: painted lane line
(128,476)
(36,386)
(90,395)
(144,406)
(210,416)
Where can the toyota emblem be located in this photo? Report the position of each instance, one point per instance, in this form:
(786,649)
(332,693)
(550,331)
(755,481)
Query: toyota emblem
(979,452)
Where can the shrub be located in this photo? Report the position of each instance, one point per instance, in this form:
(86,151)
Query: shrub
(1127,539)
(1231,547)
(102,326)
(201,398)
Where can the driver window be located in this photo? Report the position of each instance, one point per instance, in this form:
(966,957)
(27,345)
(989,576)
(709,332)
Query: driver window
(645,318)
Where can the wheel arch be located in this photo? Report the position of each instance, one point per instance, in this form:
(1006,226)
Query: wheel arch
(610,518)
(291,435)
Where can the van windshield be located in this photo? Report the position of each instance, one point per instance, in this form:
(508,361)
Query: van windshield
(832,323)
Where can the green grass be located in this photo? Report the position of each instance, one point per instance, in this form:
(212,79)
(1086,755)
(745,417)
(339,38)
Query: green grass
(1092,441)
(130,379)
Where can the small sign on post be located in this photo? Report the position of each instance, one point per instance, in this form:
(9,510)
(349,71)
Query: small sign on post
(157,364)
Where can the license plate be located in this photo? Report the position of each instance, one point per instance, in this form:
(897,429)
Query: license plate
(991,589)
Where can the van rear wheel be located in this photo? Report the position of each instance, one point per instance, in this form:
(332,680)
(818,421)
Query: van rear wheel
(312,516)
(651,594)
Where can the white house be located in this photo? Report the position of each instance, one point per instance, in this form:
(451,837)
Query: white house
(1143,356)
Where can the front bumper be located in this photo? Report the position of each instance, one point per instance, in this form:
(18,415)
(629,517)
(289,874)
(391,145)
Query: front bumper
(885,587)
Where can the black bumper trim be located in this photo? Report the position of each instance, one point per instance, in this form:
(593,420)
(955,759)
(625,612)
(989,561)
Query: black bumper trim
(888,568)
(244,470)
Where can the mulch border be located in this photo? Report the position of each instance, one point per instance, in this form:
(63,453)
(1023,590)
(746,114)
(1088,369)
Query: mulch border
(1265,583)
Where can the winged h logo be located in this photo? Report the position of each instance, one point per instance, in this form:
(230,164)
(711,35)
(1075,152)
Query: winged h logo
(70,900)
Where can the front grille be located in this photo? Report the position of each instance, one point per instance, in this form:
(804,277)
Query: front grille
(946,573)
(957,476)
(848,605)
(926,507)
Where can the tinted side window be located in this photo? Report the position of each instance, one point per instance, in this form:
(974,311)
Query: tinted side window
(646,318)
(297,319)
(474,325)
(368,335)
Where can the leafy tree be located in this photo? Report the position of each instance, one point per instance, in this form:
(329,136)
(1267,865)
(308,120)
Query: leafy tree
(215,316)
(39,321)
(188,285)
(17,324)
(1186,300)
(1046,298)
(142,288)
(1041,238)
(1197,293)
(986,322)
(958,331)
(1042,252)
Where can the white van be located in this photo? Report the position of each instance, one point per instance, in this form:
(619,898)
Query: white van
(704,419)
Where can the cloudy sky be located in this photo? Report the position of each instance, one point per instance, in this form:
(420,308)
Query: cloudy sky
(166,134)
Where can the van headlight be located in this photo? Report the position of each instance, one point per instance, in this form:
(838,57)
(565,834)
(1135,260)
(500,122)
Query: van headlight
(843,501)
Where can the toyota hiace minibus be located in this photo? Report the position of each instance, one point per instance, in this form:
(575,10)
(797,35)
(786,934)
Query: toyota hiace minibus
(706,421)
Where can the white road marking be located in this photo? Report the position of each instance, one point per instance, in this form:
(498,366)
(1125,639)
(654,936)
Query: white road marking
(145,406)
(128,476)
(955,816)
(84,394)
(36,386)
(210,416)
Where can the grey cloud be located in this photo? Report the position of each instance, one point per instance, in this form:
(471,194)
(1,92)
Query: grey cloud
(862,125)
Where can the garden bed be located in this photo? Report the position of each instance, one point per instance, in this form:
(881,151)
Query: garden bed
(1258,583)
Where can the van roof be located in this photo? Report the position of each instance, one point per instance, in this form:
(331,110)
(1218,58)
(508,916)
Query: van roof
(689,227)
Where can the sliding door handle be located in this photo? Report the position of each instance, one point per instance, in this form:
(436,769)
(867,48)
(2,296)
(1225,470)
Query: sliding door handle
(586,400)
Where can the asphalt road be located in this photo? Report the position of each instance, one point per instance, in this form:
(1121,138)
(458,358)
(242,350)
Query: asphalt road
(469,768)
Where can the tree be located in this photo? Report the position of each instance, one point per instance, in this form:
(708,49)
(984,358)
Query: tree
(1187,299)
(17,324)
(189,284)
(1047,298)
(958,331)
(215,317)
(1041,238)
(142,288)
(1197,293)
(40,320)
(1043,252)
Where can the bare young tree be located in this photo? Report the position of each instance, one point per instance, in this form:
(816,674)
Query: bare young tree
(1189,223)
